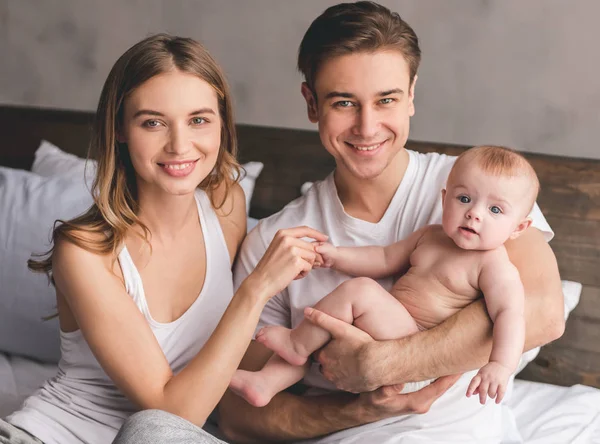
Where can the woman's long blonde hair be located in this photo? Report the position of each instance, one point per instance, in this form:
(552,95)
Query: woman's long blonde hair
(114,190)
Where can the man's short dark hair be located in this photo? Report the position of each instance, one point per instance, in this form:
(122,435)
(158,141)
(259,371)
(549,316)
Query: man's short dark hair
(354,27)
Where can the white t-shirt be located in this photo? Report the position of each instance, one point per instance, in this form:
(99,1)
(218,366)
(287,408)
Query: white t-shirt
(417,202)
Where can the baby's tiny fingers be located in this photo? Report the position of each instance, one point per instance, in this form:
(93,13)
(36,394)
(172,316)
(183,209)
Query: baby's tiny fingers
(473,385)
(500,395)
(483,391)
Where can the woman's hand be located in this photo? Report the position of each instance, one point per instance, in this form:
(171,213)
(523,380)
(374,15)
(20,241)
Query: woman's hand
(288,257)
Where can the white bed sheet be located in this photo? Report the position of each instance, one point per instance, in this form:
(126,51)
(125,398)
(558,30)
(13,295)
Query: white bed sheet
(549,414)
(535,413)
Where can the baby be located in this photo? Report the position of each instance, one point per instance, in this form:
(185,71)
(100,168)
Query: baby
(489,193)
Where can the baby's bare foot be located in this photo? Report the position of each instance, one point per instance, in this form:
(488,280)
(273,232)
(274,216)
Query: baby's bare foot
(279,340)
(251,386)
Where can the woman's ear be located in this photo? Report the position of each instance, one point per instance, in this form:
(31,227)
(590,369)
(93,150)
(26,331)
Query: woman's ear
(443,195)
(311,103)
(523,225)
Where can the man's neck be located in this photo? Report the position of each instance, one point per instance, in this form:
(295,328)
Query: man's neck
(368,199)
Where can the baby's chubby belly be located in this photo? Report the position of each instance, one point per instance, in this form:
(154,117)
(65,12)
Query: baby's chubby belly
(428,300)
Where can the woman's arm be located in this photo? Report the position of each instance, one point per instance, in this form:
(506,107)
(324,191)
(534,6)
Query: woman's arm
(124,345)
(126,348)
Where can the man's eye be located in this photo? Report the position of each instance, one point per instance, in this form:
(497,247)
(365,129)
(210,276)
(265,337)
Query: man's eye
(496,210)
(198,120)
(464,199)
(343,104)
(386,101)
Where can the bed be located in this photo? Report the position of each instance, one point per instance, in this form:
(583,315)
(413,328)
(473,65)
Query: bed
(568,410)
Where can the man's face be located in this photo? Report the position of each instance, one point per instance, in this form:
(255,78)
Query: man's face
(363,108)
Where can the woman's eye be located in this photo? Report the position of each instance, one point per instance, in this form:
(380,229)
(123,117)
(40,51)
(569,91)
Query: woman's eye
(151,123)
(464,199)
(198,120)
(495,209)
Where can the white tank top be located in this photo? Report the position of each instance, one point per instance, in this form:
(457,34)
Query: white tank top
(81,404)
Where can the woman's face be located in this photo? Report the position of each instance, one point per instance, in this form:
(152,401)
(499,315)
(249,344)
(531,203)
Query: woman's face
(172,129)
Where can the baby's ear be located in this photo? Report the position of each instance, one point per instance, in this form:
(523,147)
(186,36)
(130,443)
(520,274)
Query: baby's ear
(523,225)
(443,195)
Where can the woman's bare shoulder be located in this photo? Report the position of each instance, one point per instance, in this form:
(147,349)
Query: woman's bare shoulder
(232,214)
(81,246)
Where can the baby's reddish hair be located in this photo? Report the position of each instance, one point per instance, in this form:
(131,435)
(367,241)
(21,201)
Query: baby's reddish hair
(500,161)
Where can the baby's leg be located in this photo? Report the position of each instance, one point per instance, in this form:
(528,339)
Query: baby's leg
(257,388)
(361,301)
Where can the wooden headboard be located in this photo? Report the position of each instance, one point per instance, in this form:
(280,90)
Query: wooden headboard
(569,198)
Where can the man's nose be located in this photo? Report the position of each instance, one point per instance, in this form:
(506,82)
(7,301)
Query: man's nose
(367,123)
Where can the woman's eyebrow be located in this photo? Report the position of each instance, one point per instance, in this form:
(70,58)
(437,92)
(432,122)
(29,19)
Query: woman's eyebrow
(149,112)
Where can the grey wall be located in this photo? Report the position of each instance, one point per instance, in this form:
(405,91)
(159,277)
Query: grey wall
(524,74)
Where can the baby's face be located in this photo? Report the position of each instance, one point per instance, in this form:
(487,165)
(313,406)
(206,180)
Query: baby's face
(481,211)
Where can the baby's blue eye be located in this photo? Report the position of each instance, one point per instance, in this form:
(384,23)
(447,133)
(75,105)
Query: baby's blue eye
(464,199)
(495,210)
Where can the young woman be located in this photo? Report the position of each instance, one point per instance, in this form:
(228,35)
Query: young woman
(148,315)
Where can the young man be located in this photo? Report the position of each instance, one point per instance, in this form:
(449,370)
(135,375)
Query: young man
(360,63)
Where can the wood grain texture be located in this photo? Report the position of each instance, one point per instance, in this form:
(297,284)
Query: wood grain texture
(569,198)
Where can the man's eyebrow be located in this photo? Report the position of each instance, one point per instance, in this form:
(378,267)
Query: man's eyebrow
(390,92)
(150,112)
(345,95)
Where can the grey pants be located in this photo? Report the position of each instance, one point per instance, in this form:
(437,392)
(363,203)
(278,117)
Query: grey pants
(9,434)
(158,427)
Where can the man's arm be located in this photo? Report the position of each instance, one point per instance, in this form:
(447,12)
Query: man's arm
(292,417)
(461,343)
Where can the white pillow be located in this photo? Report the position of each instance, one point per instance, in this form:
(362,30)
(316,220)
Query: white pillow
(29,206)
(52,161)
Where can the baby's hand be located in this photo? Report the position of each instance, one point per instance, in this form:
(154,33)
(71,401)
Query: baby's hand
(327,253)
(491,380)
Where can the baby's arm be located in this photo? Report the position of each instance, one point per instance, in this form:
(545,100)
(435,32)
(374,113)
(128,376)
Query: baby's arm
(373,261)
(502,288)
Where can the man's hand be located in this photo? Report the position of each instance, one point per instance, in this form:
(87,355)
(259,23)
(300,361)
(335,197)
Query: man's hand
(345,360)
(388,401)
